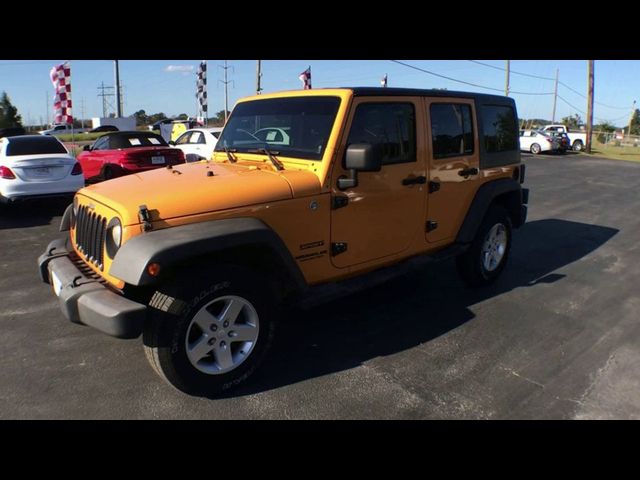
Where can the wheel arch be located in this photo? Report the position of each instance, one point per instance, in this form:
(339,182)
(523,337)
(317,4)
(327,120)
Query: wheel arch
(505,192)
(247,242)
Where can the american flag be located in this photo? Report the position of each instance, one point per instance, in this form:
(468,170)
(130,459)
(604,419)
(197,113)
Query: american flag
(383,82)
(305,78)
(201,92)
(61,79)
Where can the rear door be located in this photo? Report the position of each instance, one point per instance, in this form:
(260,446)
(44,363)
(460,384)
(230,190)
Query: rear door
(454,162)
(384,213)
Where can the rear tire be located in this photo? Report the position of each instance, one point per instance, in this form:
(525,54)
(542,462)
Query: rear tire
(107,173)
(219,334)
(578,146)
(487,256)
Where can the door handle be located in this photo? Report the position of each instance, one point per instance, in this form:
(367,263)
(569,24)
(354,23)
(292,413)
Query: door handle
(415,180)
(465,172)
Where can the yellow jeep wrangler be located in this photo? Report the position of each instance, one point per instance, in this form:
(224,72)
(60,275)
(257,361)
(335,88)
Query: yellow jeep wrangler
(304,188)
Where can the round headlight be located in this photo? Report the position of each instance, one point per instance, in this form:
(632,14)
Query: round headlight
(114,237)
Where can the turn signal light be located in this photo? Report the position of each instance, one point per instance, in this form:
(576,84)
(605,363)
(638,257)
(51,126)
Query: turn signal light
(153,269)
(6,173)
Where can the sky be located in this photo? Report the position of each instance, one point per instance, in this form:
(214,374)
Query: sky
(168,86)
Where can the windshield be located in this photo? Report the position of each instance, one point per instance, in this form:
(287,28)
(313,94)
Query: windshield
(293,127)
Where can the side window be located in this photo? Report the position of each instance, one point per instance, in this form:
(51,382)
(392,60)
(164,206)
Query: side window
(101,144)
(451,130)
(392,126)
(196,137)
(183,139)
(500,128)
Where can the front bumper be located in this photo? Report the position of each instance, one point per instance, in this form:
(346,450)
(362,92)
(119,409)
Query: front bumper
(85,300)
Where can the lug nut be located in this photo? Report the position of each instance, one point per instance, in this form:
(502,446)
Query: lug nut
(223,344)
(213,328)
(212,341)
(226,324)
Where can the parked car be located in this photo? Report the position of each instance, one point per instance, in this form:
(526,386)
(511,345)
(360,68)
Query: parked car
(536,141)
(12,132)
(33,166)
(121,153)
(577,140)
(156,125)
(198,143)
(200,260)
(60,130)
(104,128)
(563,141)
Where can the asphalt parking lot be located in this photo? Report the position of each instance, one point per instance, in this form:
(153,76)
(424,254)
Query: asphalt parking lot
(556,337)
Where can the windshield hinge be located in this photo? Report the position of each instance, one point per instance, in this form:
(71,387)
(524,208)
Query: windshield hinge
(145,218)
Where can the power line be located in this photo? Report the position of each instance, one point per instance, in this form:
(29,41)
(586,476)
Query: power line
(466,83)
(547,78)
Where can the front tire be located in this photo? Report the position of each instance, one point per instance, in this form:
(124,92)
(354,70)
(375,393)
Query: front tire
(217,337)
(487,256)
(535,149)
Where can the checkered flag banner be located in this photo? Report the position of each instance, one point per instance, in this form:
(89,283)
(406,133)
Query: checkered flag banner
(201,90)
(305,78)
(61,79)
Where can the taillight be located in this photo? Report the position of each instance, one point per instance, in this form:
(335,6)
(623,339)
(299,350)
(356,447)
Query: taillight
(6,173)
(77,169)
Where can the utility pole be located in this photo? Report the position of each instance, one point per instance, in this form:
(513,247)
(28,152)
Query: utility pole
(258,76)
(118,99)
(506,82)
(633,111)
(226,90)
(590,106)
(82,111)
(46,102)
(105,103)
(555,98)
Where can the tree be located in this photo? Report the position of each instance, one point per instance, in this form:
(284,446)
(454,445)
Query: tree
(8,113)
(604,129)
(218,120)
(141,117)
(635,123)
(573,121)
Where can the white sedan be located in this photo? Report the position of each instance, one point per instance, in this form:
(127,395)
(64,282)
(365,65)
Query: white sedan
(535,141)
(198,143)
(33,166)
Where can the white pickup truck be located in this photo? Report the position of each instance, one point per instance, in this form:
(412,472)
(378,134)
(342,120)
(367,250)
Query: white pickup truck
(577,139)
(61,130)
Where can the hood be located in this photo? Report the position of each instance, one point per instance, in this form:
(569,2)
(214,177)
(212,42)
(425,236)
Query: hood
(188,189)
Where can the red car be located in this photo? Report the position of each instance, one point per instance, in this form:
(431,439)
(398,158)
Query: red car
(121,153)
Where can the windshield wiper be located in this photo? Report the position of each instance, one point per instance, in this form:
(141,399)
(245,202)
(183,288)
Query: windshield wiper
(265,150)
(228,151)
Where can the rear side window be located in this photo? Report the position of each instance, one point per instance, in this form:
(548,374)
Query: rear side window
(390,125)
(451,130)
(34,146)
(500,128)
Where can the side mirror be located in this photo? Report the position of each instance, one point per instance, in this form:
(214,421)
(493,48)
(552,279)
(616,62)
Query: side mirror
(171,142)
(87,148)
(360,157)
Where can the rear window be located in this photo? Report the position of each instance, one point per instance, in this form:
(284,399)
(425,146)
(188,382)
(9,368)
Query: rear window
(131,140)
(500,128)
(40,145)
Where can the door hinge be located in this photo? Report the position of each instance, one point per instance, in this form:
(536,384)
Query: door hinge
(339,201)
(431,225)
(434,186)
(338,247)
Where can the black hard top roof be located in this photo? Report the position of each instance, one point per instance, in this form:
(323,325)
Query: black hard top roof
(416,92)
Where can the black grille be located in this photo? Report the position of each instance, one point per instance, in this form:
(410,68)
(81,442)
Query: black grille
(90,231)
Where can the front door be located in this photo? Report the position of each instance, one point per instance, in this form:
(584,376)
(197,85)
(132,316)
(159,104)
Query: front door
(384,213)
(453,164)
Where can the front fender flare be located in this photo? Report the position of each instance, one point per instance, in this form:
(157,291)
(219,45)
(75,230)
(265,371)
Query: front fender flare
(171,246)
